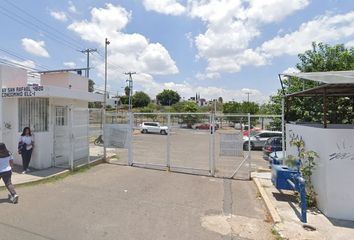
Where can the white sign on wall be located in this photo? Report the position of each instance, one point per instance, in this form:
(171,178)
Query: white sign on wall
(29,91)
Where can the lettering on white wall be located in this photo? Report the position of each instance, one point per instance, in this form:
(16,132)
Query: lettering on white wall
(29,91)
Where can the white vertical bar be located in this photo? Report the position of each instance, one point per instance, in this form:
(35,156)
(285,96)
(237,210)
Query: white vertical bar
(210,144)
(88,135)
(213,147)
(283,125)
(103,133)
(249,146)
(130,148)
(71,138)
(168,146)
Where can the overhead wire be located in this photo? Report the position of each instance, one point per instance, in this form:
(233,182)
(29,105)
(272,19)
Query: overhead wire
(43,23)
(23,59)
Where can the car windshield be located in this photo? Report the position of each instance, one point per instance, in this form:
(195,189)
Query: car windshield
(253,133)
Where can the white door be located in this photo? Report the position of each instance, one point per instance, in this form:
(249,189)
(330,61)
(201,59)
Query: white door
(61,137)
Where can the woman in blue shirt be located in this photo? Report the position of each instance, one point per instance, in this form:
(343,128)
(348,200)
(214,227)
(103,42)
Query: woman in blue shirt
(6,163)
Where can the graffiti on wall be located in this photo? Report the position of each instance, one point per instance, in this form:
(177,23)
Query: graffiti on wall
(344,151)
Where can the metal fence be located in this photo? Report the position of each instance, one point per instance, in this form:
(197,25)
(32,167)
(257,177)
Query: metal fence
(197,143)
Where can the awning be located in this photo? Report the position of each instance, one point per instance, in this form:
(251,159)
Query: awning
(337,77)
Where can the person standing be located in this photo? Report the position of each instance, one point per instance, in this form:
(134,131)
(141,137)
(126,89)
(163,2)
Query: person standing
(26,143)
(6,165)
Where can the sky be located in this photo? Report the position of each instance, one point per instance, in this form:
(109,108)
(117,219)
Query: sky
(216,48)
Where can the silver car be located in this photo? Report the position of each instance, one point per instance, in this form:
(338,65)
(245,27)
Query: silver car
(258,140)
(153,127)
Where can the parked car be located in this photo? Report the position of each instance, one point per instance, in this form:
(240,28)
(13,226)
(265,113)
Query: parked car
(253,129)
(153,127)
(258,140)
(206,126)
(273,144)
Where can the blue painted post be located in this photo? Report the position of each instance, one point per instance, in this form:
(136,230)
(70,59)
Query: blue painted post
(303,203)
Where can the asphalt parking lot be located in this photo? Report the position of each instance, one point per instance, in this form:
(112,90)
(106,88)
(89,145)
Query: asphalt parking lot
(119,202)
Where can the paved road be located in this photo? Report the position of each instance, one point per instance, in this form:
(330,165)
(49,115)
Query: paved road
(118,202)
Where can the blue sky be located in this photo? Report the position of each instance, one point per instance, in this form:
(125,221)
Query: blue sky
(214,47)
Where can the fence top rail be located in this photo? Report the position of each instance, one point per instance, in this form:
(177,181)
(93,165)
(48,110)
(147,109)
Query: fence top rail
(194,113)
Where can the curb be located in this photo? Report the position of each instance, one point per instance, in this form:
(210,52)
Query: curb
(271,209)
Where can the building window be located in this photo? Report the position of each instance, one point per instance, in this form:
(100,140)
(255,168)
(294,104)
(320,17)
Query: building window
(33,113)
(60,116)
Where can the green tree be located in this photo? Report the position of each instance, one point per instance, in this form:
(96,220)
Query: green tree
(140,99)
(322,57)
(249,107)
(168,97)
(187,107)
(127,91)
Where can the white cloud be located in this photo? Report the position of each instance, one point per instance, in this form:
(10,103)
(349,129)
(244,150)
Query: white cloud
(72,7)
(291,70)
(169,7)
(58,15)
(350,44)
(232,25)
(207,75)
(35,47)
(133,52)
(69,64)
(322,29)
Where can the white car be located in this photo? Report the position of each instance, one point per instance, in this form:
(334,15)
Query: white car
(153,127)
(258,140)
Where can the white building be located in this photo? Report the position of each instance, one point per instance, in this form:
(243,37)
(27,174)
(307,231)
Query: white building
(48,110)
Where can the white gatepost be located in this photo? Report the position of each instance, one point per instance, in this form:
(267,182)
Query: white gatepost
(168,146)
(130,148)
(71,137)
(249,146)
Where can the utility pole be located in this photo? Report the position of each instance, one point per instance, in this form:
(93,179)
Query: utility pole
(87,51)
(248,96)
(130,85)
(106,43)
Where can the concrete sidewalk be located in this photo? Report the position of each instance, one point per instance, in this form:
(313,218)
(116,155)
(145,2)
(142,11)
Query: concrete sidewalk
(34,175)
(290,226)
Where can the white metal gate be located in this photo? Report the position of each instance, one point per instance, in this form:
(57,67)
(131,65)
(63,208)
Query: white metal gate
(196,143)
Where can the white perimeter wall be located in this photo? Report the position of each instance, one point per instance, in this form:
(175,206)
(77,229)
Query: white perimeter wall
(333,177)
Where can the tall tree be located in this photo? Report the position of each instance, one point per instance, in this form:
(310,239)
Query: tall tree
(168,97)
(140,99)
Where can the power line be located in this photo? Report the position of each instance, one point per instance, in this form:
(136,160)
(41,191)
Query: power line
(40,21)
(17,18)
(23,59)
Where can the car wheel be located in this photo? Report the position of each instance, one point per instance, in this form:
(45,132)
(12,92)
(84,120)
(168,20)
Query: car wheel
(144,131)
(245,146)
(163,132)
